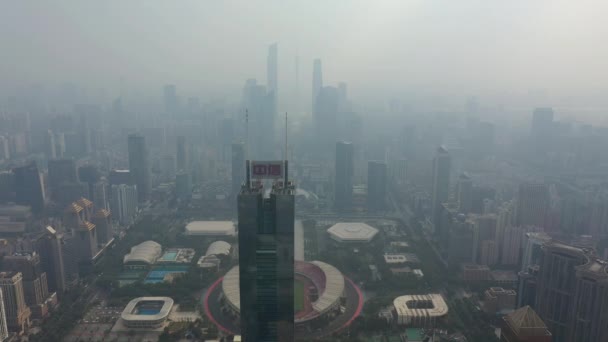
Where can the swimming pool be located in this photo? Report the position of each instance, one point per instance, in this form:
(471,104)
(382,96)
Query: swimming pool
(169,256)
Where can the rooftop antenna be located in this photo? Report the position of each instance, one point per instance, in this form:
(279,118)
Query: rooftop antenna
(246,133)
(286,165)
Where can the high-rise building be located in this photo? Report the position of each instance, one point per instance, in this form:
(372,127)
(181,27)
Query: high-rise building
(7,186)
(120,177)
(556,288)
(49,246)
(35,285)
(398,171)
(376,185)
(272,74)
(324,118)
(28,187)
(183,187)
(238,167)
(139,166)
(465,193)
(261,115)
(511,245)
(17,312)
(266,261)
(441,180)
(317,82)
(343,181)
(532,204)
(3,324)
(524,325)
(50,145)
(103,224)
(5,151)
(77,218)
(123,204)
(170,98)
(182,154)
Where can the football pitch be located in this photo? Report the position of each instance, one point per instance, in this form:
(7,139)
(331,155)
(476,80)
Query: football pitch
(298,296)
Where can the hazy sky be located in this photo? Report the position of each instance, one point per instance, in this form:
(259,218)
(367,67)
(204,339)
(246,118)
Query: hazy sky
(378,47)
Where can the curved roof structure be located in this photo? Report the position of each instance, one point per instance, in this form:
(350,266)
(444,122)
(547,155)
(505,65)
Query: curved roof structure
(334,287)
(427,306)
(218,247)
(352,232)
(230,287)
(146,252)
(130,314)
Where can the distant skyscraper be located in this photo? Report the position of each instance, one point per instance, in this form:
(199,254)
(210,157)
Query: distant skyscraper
(35,285)
(272,74)
(182,154)
(376,185)
(5,152)
(50,145)
(124,202)
(542,129)
(260,106)
(139,166)
(170,98)
(266,262)
(343,181)
(324,118)
(238,167)
(465,193)
(317,82)
(532,204)
(183,187)
(28,187)
(3,324)
(49,246)
(17,312)
(441,180)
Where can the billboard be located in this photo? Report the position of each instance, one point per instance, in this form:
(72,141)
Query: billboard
(267,169)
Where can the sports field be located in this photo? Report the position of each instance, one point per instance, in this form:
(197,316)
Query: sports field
(298,296)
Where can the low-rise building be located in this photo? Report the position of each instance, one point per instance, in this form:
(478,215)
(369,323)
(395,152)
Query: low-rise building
(419,310)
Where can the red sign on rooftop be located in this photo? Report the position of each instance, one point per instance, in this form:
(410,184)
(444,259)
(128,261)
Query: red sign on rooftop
(267,169)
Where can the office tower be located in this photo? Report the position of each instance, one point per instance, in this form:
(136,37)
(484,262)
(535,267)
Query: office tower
(532,204)
(398,171)
(77,218)
(123,204)
(238,167)
(120,177)
(167,167)
(139,166)
(266,261)
(464,193)
(62,171)
(35,287)
(259,105)
(272,75)
(485,249)
(7,186)
(524,325)
(103,224)
(343,181)
(324,117)
(170,98)
(511,245)
(60,144)
(5,152)
(441,180)
(182,154)
(317,82)
(3,324)
(50,145)
(99,195)
(28,187)
(49,246)
(556,288)
(376,186)
(183,186)
(17,312)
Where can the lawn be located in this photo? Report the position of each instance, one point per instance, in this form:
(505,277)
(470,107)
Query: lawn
(298,296)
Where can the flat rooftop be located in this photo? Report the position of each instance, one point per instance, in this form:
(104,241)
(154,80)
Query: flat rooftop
(216,228)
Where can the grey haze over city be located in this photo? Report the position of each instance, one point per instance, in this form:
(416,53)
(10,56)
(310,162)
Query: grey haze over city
(278,171)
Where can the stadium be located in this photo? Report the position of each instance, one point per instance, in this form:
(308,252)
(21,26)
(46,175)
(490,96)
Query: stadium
(325,301)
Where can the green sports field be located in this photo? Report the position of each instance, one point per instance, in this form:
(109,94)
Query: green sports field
(298,296)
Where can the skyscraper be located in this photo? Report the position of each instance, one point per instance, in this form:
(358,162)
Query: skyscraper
(123,203)
(238,167)
(317,81)
(182,154)
(35,287)
(17,312)
(139,165)
(260,106)
(272,74)
(465,193)
(49,246)
(105,231)
(524,325)
(376,185)
(266,261)
(28,187)
(441,180)
(532,204)
(170,98)
(324,118)
(343,181)
(3,325)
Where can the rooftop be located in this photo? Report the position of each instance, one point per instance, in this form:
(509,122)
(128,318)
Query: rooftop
(525,322)
(210,228)
(410,305)
(352,232)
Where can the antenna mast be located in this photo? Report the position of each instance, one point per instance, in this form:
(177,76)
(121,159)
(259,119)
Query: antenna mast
(246,133)
(285,136)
